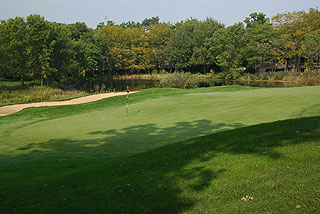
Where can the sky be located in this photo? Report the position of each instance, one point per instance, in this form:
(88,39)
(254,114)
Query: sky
(92,12)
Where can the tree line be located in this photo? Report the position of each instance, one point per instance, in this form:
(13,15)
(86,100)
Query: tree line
(60,54)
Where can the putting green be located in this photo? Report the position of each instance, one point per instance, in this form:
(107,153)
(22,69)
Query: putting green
(155,122)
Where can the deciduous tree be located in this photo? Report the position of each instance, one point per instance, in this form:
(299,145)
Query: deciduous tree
(227,47)
(293,29)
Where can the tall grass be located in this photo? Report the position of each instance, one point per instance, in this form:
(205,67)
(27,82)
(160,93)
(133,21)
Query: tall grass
(298,78)
(307,79)
(179,80)
(36,94)
(175,81)
(152,76)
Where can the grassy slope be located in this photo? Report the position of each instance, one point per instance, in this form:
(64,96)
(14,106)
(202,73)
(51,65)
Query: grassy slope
(85,161)
(155,122)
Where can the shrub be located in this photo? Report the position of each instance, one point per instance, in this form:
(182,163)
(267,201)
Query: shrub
(178,80)
(232,74)
(247,77)
(154,72)
(307,79)
(163,71)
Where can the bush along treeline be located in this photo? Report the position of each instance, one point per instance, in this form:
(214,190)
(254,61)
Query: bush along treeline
(62,54)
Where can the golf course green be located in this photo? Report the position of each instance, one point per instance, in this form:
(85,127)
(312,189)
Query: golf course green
(178,151)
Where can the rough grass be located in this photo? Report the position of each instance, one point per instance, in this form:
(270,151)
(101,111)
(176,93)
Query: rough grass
(295,78)
(36,94)
(90,158)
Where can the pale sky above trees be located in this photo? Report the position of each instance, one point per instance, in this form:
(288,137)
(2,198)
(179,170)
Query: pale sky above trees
(95,11)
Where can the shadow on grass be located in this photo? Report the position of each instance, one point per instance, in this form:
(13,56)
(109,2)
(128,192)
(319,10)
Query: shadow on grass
(127,141)
(162,180)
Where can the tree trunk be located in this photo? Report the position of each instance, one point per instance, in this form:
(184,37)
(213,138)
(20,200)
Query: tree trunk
(256,67)
(158,66)
(298,63)
(41,81)
(22,80)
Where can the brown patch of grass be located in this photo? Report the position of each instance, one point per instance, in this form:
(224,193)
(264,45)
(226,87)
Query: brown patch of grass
(297,78)
(37,94)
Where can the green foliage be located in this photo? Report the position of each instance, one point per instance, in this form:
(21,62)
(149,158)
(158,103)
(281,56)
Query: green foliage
(87,54)
(158,37)
(256,19)
(180,46)
(30,52)
(146,23)
(78,29)
(295,30)
(226,47)
(130,24)
(40,50)
(311,49)
(63,60)
(154,72)
(178,80)
(261,35)
(5,84)
(232,74)
(187,45)
(129,48)
(15,48)
(163,71)
(58,54)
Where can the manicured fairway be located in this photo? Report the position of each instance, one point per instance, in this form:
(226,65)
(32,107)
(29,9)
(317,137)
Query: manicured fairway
(91,158)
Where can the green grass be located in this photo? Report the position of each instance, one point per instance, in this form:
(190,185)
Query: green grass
(90,158)
(12,84)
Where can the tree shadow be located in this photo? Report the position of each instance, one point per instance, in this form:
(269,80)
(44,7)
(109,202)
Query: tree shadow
(127,141)
(151,179)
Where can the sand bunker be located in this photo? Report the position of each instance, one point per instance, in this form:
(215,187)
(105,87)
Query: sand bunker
(10,109)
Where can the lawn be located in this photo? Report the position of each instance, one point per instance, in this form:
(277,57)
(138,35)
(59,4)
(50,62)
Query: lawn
(178,151)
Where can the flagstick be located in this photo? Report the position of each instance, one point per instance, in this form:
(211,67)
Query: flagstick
(127,106)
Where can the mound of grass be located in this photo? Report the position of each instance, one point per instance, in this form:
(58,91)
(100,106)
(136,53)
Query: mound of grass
(90,158)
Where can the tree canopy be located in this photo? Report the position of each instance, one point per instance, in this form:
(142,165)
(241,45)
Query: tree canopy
(56,53)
